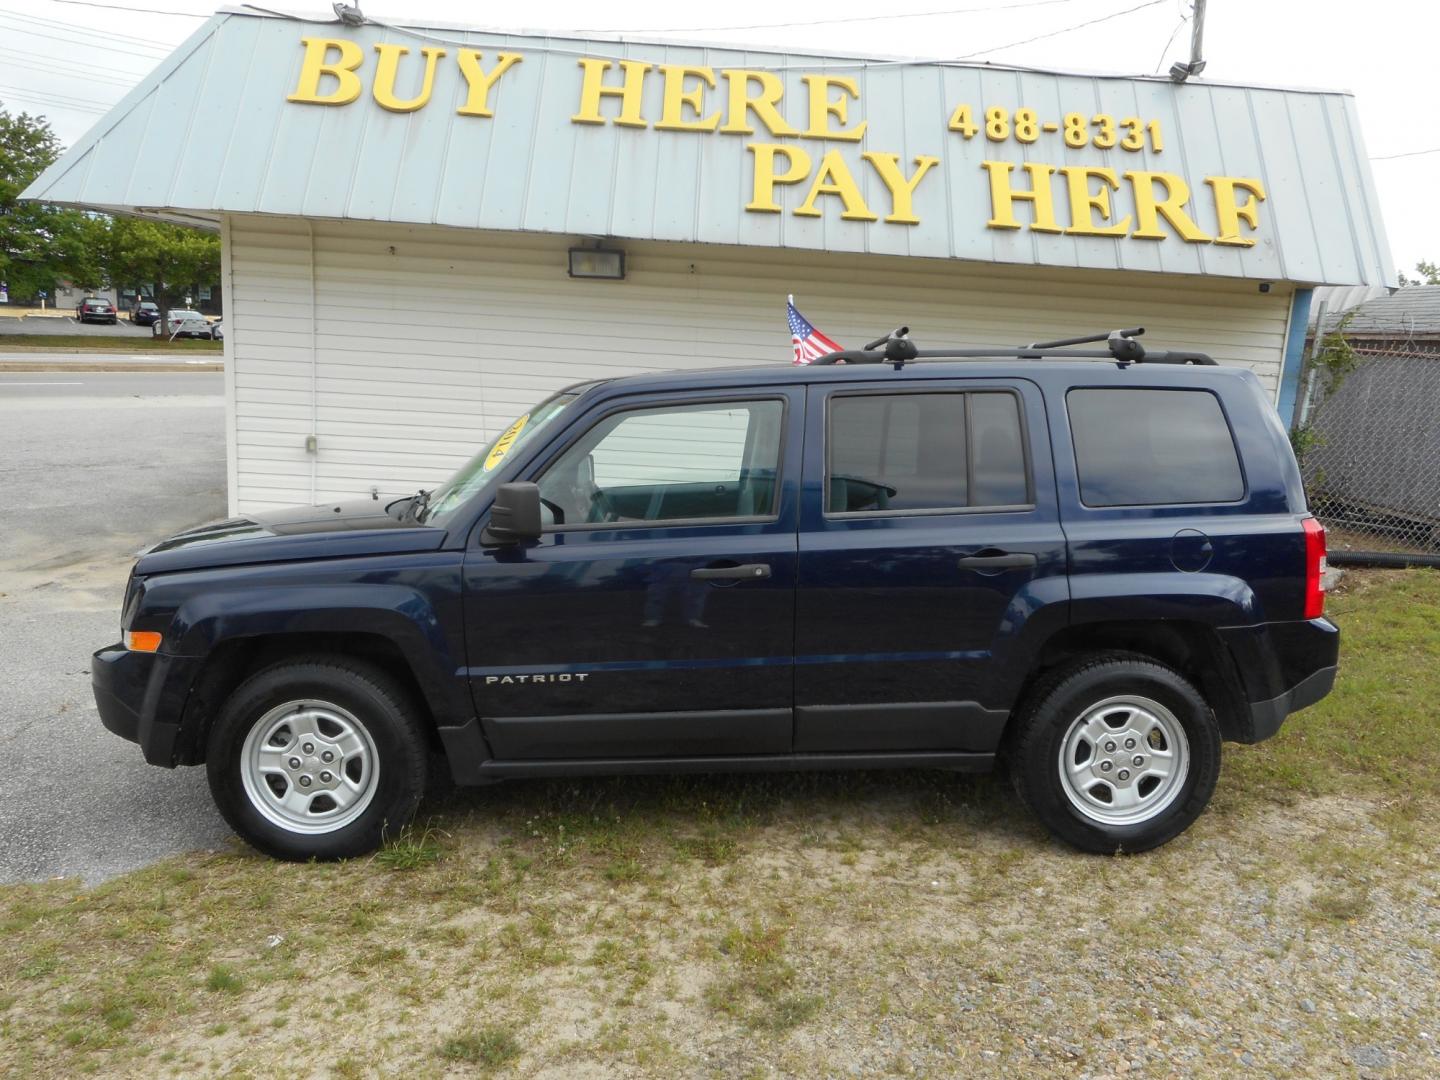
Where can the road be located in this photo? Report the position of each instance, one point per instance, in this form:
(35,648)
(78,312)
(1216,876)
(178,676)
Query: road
(106,384)
(92,467)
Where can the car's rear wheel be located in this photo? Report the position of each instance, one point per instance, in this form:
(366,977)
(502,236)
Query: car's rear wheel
(317,759)
(1115,753)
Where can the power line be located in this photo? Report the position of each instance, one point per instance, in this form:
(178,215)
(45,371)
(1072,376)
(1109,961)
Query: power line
(50,101)
(135,10)
(64,74)
(814,22)
(1408,153)
(152,57)
(788,64)
(51,24)
(61,99)
(89,67)
(1166,51)
(1063,30)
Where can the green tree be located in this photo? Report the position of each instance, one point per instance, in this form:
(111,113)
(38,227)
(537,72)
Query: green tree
(170,258)
(39,244)
(1429,274)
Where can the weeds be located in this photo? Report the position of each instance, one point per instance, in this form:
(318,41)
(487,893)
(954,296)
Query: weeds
(410,850)
(223,979)
(490,1047)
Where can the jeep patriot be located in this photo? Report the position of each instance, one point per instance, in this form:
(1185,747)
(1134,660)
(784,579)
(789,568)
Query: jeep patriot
(1092,565)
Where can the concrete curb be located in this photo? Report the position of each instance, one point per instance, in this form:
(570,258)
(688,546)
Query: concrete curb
(100,365)
(13,351)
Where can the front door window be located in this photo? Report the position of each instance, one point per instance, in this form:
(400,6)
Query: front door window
(707,462)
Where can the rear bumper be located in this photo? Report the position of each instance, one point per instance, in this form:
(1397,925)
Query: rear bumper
(1283,667)
(140,697)
(1267,716)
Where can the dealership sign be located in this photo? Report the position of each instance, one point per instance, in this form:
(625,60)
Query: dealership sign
(751,104)
(709,144)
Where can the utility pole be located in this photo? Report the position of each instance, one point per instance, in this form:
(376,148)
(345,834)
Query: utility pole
(1180,72)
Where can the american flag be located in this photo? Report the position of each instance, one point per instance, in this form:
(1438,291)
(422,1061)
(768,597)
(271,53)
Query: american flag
(809,344)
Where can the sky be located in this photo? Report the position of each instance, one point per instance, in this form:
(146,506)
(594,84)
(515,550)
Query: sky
(68,60)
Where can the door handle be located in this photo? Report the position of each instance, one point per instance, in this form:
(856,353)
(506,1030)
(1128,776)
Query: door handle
(1000,560)
(744,572)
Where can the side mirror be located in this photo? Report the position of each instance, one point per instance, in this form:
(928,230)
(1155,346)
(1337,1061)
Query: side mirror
(515,517)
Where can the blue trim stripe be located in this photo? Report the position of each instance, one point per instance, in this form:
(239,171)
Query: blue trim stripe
(1294,355)
(723,662)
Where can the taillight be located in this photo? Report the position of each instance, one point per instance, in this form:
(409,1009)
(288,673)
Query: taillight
(1314,568)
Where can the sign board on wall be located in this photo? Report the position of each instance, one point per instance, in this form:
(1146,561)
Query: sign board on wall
(726,146)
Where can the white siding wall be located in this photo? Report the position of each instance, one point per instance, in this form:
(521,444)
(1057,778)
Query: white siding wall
(404,348)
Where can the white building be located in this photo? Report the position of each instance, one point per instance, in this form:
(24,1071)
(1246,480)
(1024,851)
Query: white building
(397,207)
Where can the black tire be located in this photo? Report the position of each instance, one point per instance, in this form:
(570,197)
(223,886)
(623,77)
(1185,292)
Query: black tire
(367,694)
(1039,735)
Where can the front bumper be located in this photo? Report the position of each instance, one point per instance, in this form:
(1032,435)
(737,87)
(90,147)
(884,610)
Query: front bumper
(141,697)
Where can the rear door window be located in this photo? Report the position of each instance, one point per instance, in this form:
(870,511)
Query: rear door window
(1139,447)
(925,451)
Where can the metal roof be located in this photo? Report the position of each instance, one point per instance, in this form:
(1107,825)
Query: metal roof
(1413,310)
(1335,299)
(210,132)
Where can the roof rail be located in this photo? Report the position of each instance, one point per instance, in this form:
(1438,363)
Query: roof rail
(897,348)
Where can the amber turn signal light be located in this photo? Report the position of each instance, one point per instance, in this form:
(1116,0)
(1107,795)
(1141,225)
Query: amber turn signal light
(142,640)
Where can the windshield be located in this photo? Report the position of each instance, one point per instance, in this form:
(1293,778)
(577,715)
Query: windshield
(476,472)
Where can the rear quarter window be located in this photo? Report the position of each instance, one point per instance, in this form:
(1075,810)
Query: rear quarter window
(1151,447)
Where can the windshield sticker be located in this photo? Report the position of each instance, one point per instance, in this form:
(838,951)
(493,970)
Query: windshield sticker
(503,444)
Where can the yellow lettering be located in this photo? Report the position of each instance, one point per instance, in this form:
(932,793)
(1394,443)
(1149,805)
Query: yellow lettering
(629,92)
(678,99)
(388,67)
(316,65)
(902,191)
(1171,207)
(834,178)
(1003,196)
(763,103)
(797,168)
(479,81)
(1084,202)
(1229,213)
(822,107)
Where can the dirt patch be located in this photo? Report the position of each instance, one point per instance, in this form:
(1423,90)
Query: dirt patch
(907,924)
(942,936)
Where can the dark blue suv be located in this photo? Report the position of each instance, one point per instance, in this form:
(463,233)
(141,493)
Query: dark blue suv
(1094,565)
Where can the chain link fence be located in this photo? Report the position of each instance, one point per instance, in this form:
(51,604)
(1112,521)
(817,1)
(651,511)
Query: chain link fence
(1370,450)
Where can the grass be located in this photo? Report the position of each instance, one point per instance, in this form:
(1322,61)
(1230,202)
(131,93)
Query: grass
(1380,728)
(410,850)
(489,1048)
(96,344)
(902,923)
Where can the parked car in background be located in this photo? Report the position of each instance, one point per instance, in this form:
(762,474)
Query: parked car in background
(217,330)
(96,309)
(144,313)
(184,323)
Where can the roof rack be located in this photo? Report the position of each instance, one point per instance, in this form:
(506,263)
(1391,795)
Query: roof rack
(1120,346)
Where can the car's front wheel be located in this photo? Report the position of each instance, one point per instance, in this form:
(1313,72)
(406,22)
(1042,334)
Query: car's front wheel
(1116,753)
(317,759)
